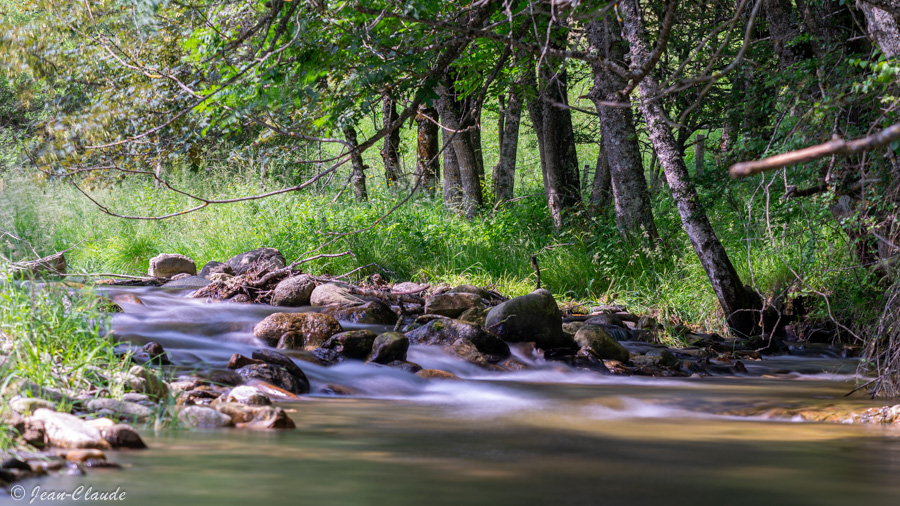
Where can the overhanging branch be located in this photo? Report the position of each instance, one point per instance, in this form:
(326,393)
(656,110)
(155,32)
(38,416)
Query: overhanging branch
(833,147)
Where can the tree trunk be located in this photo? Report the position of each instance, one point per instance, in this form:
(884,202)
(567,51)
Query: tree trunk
(453,195)
(740,305)
(505,171)
(601,191)
(390,153)
(448,108)
(783,28)
(634,214)
(427,164)
(358,174)
(883,26)
(699,155)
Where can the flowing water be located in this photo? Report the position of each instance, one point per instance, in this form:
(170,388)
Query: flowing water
(546,435)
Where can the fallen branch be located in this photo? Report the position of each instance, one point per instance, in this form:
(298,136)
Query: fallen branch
(835,146)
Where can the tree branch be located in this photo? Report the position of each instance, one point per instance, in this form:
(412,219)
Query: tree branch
(835,146)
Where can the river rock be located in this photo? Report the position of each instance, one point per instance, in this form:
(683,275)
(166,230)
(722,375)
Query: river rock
(475,316)
(604,345)
(245,394)
(403,365)
(293,291)
(237,361)
(436,374)
(119,409)
(310,329)
(446,332)
(167,265)
(533,317)
(256,417)
(356,344)
(216,268)
(68,431)
(279,359)
(28,405)
(606,319)
(333,293)
(139,379)
(277,376)
(152,353)
(269,258)
(202,417)
(374,312)
(481,292)
(452,304)
(188,282)
(121,435)
(586,358)
(408,288)
(389,347)
(465,350)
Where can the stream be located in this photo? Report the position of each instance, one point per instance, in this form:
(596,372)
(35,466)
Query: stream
(545,435)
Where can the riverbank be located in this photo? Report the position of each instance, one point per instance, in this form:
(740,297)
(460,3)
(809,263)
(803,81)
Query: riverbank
(64,359)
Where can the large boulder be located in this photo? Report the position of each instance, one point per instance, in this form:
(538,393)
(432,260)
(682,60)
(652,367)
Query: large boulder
(293,291)
(445,332)
(333,293)
(598,340)
(167,265)
(356,344)
(534,317)
(68,431)
(389,347)
(276,375)
(452,304)
(306,330)
(374,312)
(269,258)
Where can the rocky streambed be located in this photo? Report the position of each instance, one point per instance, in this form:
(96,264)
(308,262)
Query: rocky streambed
(251,344)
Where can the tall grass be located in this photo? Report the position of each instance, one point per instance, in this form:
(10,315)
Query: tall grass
(421,240)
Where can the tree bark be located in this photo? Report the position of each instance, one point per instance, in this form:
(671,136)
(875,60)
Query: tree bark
(427,164)
(448,108)
(740,305)
(601,190)
(453,195)
(882,25)
(505,171)
(634,214)
(358,174)
(784,30)
(390,153)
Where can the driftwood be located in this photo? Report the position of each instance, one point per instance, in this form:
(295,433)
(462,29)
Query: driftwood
(53,265)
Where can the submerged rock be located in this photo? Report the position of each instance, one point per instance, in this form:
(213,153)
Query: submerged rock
(268,258)
(68,431)
(389,347)
(445,332)
(188,282)
(436,374)
(294,291)
(168,265)
(309,330)
(533,317)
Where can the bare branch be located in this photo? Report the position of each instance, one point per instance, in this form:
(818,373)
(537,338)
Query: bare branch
(835,146)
